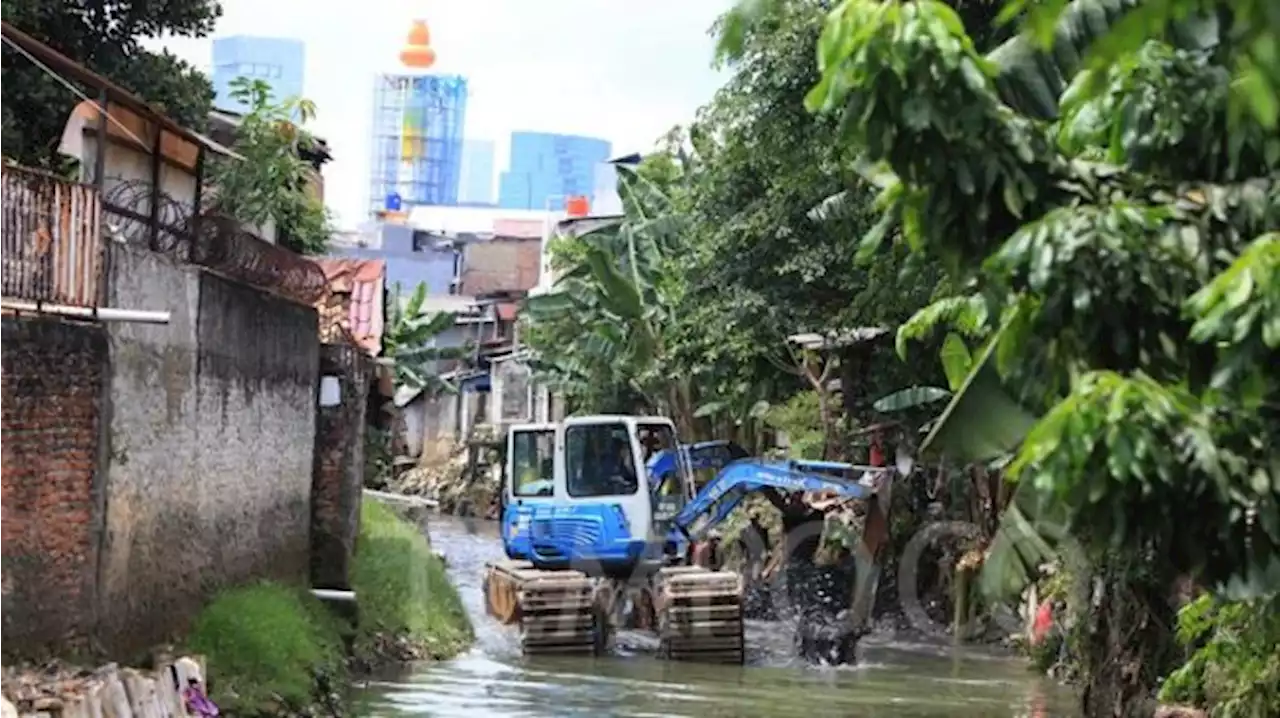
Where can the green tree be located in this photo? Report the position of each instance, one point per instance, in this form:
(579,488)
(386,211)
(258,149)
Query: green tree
(270,183)
(103,35)
(773,256)
(1115,231)
(732,260)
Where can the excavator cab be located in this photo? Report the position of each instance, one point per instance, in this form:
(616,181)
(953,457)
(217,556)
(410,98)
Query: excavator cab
(529,480)
(583,492)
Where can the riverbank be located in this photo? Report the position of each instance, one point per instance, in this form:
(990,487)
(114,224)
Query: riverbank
(276,650)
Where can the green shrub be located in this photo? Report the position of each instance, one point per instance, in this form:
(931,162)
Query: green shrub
(266,644)
(405,598)
(1234,666)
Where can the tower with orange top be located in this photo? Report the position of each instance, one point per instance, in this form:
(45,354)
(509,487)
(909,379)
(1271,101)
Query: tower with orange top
(418,117)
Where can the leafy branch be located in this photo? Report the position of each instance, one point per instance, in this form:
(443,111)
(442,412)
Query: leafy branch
(271,183)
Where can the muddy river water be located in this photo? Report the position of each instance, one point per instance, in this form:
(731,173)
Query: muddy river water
(893,679)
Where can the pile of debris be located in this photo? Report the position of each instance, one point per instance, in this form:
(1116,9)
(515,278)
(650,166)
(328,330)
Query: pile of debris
(55,690)
(464,478)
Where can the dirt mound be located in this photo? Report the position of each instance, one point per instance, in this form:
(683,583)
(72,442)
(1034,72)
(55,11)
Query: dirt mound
(463,476)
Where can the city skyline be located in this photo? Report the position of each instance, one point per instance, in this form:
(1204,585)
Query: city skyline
(562,66)
(545,168)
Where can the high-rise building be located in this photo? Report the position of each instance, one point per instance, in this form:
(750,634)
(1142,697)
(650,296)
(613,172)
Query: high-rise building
(278,61)
(417,131)
(476,184)
(546,168)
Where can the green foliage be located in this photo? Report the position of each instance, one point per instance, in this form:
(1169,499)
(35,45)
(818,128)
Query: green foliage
(267,644)
(105,36)
(687,301)
(409,339)
(1252,26)
(1111,239)
(799,418)
(604,334)
(378,459)
(1091,268)
(270,183)
(1234,666)
(403,589)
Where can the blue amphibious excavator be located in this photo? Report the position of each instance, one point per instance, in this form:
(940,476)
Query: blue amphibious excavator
(594,545)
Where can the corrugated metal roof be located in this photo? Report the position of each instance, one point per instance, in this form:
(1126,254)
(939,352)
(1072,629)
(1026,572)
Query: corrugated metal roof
(353,303)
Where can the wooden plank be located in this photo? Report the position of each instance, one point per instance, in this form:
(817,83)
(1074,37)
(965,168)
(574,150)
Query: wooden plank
(708,598)
(702,630)
(568,603)
(574,649)
(722,611)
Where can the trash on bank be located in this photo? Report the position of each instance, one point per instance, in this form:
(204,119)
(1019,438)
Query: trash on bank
(56,689)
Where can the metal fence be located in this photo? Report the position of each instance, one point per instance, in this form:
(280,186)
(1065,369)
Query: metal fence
(52,246)
(210,240)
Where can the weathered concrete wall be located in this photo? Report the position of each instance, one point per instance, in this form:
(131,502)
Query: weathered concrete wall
(504,263)
(53,377)
(339,470)
(212,430)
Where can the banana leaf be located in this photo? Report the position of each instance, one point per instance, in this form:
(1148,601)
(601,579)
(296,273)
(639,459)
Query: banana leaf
(1034,74)
(910,398)
(956,361)
(1030,535)
(982,422)
(619,295)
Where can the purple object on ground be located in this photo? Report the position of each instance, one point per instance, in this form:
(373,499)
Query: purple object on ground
(198,703)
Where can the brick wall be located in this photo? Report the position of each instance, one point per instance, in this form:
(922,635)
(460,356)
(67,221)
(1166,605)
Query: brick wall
(502,264)
(53,377)
(339,470)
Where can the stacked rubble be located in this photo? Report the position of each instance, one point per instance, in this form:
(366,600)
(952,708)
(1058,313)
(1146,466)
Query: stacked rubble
(55,690)
(450,479)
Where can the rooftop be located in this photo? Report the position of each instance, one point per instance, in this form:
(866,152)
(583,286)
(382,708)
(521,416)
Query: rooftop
(353,304)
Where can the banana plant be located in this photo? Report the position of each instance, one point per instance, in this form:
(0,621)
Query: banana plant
(409,342)
(982,424)
(609,317)
(956,363)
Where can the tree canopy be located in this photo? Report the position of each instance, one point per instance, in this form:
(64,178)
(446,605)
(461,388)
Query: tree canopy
(105,36)
(730,256)
(1103,188)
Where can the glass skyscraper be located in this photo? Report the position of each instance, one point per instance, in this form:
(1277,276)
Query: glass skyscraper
(278,61)
(476,184)
(545,168)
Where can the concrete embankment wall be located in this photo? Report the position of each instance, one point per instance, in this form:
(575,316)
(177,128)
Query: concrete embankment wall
(201,433)
(211,436)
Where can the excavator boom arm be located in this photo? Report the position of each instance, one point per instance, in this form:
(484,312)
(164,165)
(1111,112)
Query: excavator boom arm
(718,498)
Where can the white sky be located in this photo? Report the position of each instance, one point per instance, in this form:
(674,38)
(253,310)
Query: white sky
(624,70)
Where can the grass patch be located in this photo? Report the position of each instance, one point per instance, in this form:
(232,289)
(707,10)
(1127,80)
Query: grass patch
(408,608)
(267,645)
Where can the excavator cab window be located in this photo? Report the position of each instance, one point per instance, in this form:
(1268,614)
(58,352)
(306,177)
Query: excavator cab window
(533,463)
(656,438)
(599,461)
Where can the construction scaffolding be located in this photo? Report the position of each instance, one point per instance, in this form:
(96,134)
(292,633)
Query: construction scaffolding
(417,140)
